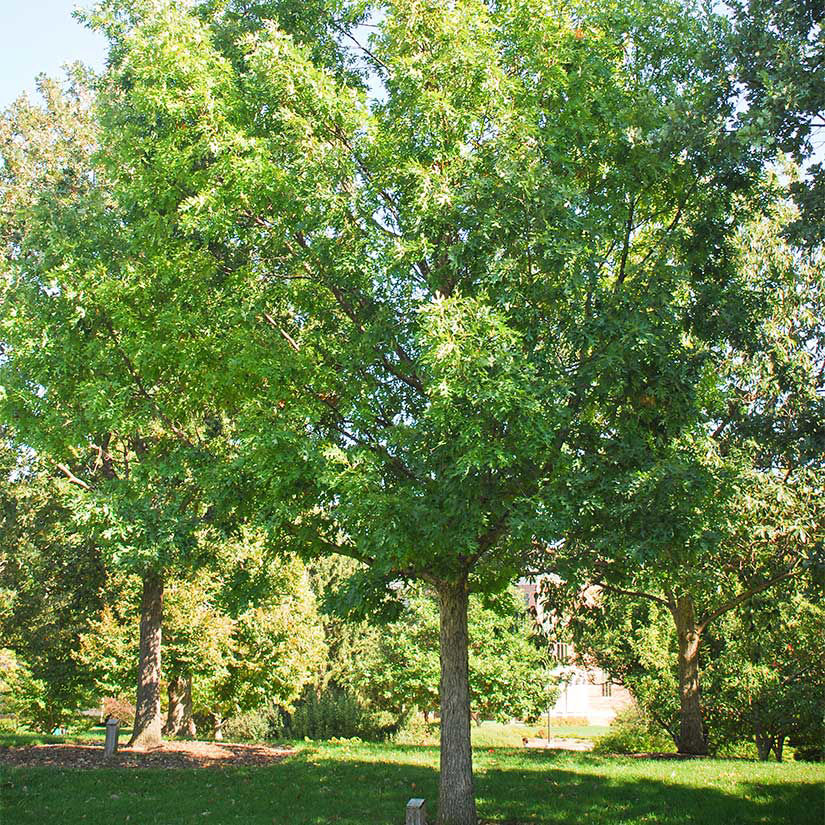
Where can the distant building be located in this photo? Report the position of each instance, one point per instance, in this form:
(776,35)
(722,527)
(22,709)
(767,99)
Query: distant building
(587,692)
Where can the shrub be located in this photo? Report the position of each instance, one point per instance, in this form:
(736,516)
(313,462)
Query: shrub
(810,754)
(254,726)
(332,713)
(119,708)
(415,730)
(632,732)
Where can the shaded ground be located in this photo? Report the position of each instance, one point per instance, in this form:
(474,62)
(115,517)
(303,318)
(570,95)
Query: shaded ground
(169,755)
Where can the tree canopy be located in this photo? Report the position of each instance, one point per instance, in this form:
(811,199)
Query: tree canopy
(402,278)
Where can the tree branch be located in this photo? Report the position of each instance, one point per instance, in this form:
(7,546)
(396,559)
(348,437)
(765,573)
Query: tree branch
(142,388)
(631,207)
(287,337)
(639,593)
(73,478)
(747,594)
(363,48)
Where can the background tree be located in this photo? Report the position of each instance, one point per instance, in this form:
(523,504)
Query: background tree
(508,664)
(767,679)
(51,579)
(733,506)
(761,675)
(277,639)
(74,382)
(240,636)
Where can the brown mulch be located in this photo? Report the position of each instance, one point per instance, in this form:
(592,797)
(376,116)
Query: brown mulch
(169,755)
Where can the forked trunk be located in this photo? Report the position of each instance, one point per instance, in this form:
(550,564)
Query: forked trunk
(691,729)
(764,743)
(148,720)
(456,800)
(179,720)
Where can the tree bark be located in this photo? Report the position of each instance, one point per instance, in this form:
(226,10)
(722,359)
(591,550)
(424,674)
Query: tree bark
(456,800)
(148,720)
(217,731)
(179,720)
(691,730)
(764,744)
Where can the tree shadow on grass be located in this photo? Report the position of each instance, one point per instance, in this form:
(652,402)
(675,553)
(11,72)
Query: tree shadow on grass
(551,793)
(316,787)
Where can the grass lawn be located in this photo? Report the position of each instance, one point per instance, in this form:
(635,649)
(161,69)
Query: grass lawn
(495,735)
(82,737)
(361,784)
(485,735)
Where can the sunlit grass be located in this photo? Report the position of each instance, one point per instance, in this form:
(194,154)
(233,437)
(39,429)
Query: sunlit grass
(364,784)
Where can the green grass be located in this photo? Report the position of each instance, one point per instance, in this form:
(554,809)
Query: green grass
(495,735)
(80,737)
(362,784)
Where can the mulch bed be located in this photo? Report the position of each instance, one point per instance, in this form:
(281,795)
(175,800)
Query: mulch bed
(169,755)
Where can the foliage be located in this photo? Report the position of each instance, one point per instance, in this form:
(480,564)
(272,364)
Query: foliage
(509,672)
(768,679)
(780,61)
(422,259)
(333,712)
(276,646)
(349,637)
(247,631)
(51,575)
(632,732)
(69,387)
(108,648)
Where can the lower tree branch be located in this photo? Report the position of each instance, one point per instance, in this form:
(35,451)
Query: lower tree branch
(747,594)
(640,593)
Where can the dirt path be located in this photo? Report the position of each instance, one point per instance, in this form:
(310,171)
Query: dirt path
(169,755)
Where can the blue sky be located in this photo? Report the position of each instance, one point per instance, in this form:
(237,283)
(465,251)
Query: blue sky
(40,36)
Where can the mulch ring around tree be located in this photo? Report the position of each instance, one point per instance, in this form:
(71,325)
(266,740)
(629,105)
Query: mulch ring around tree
(168,755)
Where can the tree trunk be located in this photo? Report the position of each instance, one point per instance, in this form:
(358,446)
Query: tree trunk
(148,719)
(217,732)
(179,721)
(779,746)
(691,729)
(456,800)
(764,743)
